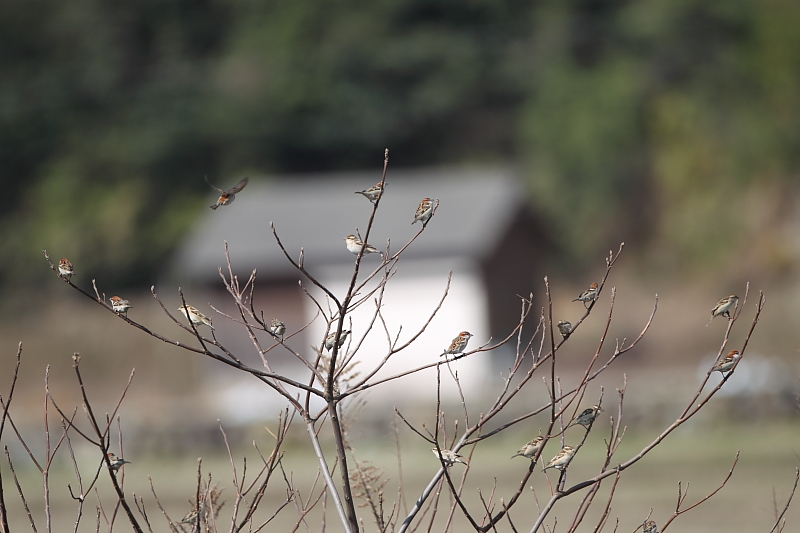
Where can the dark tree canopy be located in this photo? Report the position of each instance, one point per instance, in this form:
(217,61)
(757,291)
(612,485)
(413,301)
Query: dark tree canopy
(623,113)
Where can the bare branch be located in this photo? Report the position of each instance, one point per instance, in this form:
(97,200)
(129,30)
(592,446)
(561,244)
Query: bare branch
(788,501)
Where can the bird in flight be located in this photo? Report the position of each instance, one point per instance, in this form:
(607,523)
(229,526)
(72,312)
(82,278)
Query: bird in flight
(227,197)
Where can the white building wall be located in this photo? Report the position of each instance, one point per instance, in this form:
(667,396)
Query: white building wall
(410,298)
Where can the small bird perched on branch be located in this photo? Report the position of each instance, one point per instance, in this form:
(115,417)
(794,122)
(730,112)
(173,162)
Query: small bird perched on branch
(728,362)
(649,527)
(723,307)
(116,462)
(196,317)
(587,417)
(65,268)
(227,197)
(530,449)
(562,459)
(354,245)
(277,328)
(191,516)
(449,458)
(565,328)
(424,212)
(372,193)
(459,344)
(588,296)
(120,306)
(330,339)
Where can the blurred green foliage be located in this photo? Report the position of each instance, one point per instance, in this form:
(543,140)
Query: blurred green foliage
(669,122)
(653,120)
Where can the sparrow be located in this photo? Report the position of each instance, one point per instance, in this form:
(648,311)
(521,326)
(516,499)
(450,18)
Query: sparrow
(330,339)
(354,244)
(227,197)
(277,328)
(116,462)
(565,328)
(372,193)
(197,318)
(723,307)
(649,527)
(459,344)
(191,516)
(65,268)
(450,458)
(530,449)
(588,296)
(562,459)
(424,212)
(120,306)
(586,418)
(728,362)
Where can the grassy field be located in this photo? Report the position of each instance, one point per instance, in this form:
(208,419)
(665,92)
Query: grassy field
(699,457)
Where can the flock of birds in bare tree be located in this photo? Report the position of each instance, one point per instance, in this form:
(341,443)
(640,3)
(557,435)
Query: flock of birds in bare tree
(425,210)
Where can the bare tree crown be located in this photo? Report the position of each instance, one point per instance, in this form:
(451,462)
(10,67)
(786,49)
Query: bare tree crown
(355,490)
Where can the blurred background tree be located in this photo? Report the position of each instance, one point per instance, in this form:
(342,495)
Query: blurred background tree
(670,123)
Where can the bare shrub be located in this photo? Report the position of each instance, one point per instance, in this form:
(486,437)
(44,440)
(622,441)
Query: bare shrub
(336,379)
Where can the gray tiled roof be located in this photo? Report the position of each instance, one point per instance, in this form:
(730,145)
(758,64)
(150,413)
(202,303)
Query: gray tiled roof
(317,211)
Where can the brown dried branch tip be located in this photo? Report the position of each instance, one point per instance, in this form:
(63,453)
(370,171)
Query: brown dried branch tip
(212,497)
(366,482)
(345,376)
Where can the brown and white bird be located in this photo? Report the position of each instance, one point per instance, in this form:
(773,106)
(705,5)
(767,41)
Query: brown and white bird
(531,448)
(565,328)
(587,417)
(424,212)
(649,527)
(723,307)
(354,245)
(277,328)
(120,306)
(562,459)
(459,344)
(372,193)
(330,339)
(116,462)
(587,296)
(65,268)
(191,516)
(196,317)
(449,458)
(728,362)
(227,197)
